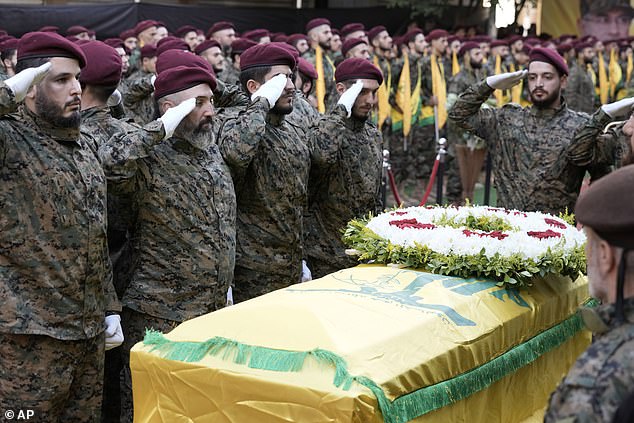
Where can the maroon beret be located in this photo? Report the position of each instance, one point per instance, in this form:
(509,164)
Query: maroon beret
(103,64)
(279,38)
(3,32)
(239,45)
(499,43)
(292,50)
(607,207)
(352,27)
(184,30)
(81,41)
(514,38)
(5,37)
(72,38)
(436,33)
(467,47)
(314,23)
(531,41)
(350,43)
(9,44)
(526,49)
(335,31)
(143,25)
(452,38)
(306,68)
(92,33)
(293,39)
(355,68)
(114,42)
(412,34)
(128,33)
(580,45)
(49,28)
(181,78)
(173,44)
(267,55)
(166,39)
(256,34)
(148,50)
(547,55)
(375,31)
(481,39)
(564,48)
(76,29)
(173,58)
(219,26)
(206,45)
(48,44)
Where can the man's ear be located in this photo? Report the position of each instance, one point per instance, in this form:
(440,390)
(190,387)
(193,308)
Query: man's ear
(30,94)
(564,81)
(166,105)
(340,88)
(252,86)
(607,257)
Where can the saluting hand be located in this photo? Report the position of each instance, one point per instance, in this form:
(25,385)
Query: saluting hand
(271,89)
(349,96)
(619,108)
(174,115)
(505,81)
(21,82)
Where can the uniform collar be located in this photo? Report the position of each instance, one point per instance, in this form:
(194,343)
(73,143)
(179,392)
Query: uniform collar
(57,133)
(97,111)
(601,319)
(546,113)
(274,119)
(349,122)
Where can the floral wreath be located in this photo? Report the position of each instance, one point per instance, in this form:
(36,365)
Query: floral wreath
(508,246)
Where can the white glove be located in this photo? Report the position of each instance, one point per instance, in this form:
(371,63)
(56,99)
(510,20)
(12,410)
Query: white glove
(618,108)
(229,297)
(152,79)
(505,81)
(21,82)
(114,99)
(306,275)
(350,95)
(114,334)
(271,89)
(174,115)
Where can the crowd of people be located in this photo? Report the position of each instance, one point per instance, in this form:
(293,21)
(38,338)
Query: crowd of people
(158,176)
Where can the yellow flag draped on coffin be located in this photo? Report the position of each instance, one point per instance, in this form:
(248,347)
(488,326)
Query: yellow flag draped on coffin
(439,89)
(320,84)
(383,94)
(367,344)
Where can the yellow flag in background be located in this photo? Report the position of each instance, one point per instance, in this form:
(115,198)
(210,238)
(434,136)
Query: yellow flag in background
(498,94)
(604,85)
(439,89)
(404,98)
(384,108)
(516,90)
(615,72)
(455,65)
(320,87)
(629,68)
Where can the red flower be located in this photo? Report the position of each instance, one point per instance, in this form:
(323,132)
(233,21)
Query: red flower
(398,213)
(411,223)
(553,222)
(493,234)
(544,235)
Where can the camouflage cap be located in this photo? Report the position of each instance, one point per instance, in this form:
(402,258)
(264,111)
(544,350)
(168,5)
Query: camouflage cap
(602,6)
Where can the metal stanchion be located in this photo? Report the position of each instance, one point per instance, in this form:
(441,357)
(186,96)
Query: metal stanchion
(442,152)
(384,175)
(487,179)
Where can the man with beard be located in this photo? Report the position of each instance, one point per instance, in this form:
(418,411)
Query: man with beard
(55,274)
(211,51)
(580,90)
(346,164)
(528,145)
(183,244)
(319,34)
(269,160)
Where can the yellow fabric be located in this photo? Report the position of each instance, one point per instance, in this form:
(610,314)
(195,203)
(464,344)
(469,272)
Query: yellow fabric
(604,84)
(320,84)
(403,329)
(629,68)
(499,94)
(561,17)
(615,73)
(516,91)
(383,94)
(455,65)
(439,89)
(403,98)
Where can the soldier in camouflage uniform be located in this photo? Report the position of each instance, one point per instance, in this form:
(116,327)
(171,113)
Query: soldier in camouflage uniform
(528,145)
(603,376)
(8,55)
(580,89)
(320,34)
(137,97)
(55,274)
(183,245)
(269,161)
(304,114)
(345,177)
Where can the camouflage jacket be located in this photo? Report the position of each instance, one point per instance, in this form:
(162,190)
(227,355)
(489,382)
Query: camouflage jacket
(55,273)
(528,145)
(591,146)
(602,377)
(331,96)
(138,99)
(269,161)
(183,244)
(580,90)
(456,85)
(230,75)
(303,115)
(345,181)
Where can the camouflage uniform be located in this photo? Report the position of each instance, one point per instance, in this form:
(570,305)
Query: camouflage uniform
(182,249)
(269,162)
(592,147)
(138,99)
(345,180)
(331,96)
(528,146)
(603,376)
(303,115)
(55,273)
(229,74)
(580,89)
